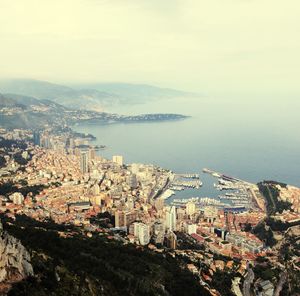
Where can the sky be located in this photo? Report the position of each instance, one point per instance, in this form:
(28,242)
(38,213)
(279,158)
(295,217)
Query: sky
(198,45)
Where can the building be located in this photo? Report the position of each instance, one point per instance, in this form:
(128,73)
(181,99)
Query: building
(46,141)
(96,189)
(266,288)
(36,138)
(92,153)
(124,218)
(84,162)
(96,200)
(246,244)
(118,159)
(190,208)
(171,240)
(210,213)
(191,228)
(142,233)
(79,206)
(71,143)
(171,218)
(17,198)
(132,181)
(130,203)
(159,204)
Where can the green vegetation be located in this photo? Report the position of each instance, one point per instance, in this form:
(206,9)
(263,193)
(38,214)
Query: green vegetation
(271,194)
(9,187)
(265,272)
(2,161)
(277,225)
(283,185)
(265,234)
(290,252)
(186,242)
(222,281)
(8,146)
(105,220)
(78,265)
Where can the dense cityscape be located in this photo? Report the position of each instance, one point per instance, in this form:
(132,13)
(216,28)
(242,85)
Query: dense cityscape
(62,178)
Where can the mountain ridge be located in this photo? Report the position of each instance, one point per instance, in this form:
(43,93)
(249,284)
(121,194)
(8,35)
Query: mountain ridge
(18,111)
(90,96)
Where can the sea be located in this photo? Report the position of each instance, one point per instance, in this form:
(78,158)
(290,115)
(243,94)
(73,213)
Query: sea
(253,139)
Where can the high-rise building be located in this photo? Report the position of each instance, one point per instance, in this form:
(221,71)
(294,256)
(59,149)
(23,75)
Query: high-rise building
(36,138)
(84,162)
(120,219)
(171,218)
(118,159)
(171,240)
(77,151)
(71,143)
(132,181)
(142,233)
(92,153)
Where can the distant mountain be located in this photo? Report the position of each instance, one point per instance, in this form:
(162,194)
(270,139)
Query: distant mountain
(136,93)
(88,96)
(67,96)
(17,111)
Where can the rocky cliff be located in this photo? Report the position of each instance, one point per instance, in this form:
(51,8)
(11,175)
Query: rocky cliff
(14,261)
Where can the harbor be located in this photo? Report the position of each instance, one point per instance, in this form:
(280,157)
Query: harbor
(196,187)
(186,181)
(240,193)
(224,193)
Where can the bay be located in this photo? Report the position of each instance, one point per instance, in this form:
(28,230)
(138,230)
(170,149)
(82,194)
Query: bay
(253,140)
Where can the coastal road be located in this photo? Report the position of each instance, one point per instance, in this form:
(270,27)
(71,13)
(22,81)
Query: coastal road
(247,283)
(282,280)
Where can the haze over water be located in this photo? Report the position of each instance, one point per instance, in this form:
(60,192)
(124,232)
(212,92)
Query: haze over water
(253,140)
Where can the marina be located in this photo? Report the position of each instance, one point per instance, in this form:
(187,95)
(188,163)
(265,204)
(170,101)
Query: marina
(185,181)
(186,188)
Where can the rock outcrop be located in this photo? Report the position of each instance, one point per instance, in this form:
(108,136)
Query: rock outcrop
(14,261)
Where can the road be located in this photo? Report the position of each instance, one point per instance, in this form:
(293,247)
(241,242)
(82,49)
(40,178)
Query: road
(282,280)
(247,283)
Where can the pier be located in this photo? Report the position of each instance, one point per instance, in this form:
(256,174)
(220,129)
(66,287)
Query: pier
(224,177)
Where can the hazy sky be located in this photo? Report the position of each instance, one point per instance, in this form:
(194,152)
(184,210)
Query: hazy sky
(200,45)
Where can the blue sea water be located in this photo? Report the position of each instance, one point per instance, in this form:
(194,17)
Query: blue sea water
(253,140)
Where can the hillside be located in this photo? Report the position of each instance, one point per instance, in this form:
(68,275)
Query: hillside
(18,111)
(88,96)
(64,95)
(65,262)
(136,93)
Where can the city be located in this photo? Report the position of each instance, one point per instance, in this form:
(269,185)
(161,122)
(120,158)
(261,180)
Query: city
(61,178)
